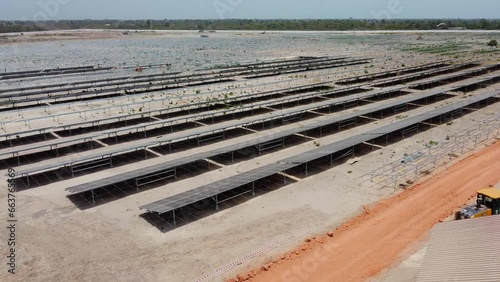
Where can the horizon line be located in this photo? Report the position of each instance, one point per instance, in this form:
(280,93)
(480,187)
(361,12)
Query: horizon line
(260,19)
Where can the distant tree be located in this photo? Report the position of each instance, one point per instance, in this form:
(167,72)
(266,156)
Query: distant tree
(493,43)
(246,24)
(484,23)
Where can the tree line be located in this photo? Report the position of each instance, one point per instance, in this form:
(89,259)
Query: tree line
(251,24)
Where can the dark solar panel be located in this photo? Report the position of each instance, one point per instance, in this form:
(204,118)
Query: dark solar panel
(204,130)
(210,190)
(178,162)
(194,133)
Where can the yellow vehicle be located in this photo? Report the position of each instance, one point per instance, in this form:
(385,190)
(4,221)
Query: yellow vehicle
(488,203)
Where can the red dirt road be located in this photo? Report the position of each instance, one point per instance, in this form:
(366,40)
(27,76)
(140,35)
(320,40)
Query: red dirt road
(376,239)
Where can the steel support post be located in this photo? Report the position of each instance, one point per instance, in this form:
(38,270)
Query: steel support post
(173,217)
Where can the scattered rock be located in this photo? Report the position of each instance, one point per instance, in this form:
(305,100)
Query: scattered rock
(409,182)
(308,240)
(353,161)
(330,234)
(265,267)
(366,209)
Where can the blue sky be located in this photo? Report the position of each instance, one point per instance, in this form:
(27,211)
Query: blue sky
(262,9)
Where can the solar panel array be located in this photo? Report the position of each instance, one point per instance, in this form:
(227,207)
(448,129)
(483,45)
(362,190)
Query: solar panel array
(202,131)
(213,189)
(210,190)
(304,96)
(253,142)
(194,133)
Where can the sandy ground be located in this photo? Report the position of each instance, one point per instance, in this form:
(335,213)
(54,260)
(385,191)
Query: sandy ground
(64,35)
(86,34)
(370,242)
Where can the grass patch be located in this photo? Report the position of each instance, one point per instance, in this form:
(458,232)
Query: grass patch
(448,48)
(496,50)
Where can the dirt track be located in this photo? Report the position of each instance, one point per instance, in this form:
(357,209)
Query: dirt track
(376,239)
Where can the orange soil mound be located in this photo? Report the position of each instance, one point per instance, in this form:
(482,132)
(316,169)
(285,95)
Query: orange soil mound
(376,239)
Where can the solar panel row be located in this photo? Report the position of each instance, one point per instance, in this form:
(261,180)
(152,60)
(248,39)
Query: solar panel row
(210,190)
